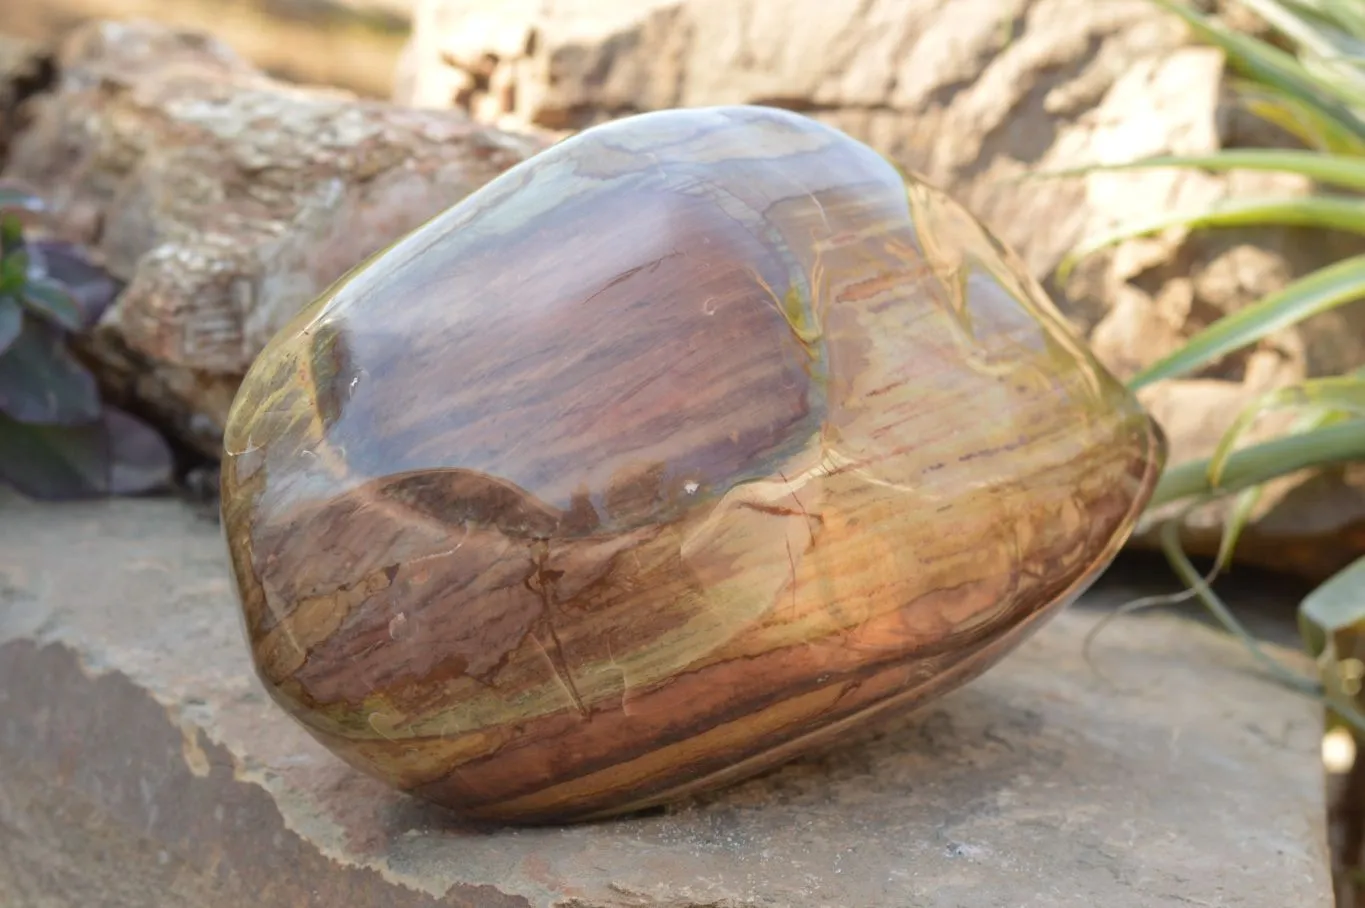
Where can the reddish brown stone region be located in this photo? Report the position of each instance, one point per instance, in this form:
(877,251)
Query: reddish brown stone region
(669,455)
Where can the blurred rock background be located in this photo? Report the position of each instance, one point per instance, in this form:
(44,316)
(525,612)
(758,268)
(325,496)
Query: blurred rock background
(352,44)
(978,95)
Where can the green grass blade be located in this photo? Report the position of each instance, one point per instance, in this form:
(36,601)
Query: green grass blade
(1302,26)
(1324,289)
(1271,66)
(1327,47)
(1303,121)
(1238,520)
(1245,503)
(1339,442)
(1340,22)
(1348,14)
(1345,171)
(1180,563)
(1327,211)
(1332,395)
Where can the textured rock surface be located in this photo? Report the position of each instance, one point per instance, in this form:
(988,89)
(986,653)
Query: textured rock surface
(971,94)
(21,68)
(350,43)
(226,199)
(144,767)
(974,94)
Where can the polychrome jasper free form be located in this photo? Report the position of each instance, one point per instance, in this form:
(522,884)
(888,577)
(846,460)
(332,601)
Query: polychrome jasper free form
(677,450)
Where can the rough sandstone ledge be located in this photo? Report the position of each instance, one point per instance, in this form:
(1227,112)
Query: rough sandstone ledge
(144,767)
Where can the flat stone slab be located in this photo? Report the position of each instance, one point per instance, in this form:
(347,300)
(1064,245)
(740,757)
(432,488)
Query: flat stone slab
(142,765)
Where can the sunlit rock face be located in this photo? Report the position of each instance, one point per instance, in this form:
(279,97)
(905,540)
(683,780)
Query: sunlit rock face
(671,453)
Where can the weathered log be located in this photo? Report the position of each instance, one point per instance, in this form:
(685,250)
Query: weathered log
(226,199)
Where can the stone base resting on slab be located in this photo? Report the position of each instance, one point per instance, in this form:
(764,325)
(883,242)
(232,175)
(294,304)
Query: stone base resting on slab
(141,765)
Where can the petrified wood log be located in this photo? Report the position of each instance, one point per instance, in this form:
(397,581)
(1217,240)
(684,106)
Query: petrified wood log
(673,452)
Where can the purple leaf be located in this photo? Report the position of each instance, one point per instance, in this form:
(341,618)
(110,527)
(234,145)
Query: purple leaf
(54,463)
(118,455)
(41,382)
(68,265)
(11,322)
(141,460)
(53,303)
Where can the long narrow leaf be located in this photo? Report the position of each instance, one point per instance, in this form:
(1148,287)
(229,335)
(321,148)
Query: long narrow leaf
(1349,14)
(1319,43)
(1340,442)
(1342,22)
(1326,211)
(1180,563)
(1337,393)
(1271,65)
(1320,291)
(1346,171)
(1303,121)
(1308,25)
(1244,505)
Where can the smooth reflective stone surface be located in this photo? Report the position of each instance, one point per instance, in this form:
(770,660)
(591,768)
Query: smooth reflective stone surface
(670,454)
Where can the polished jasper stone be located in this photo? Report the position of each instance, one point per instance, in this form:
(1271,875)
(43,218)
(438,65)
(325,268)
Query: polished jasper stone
(671,453)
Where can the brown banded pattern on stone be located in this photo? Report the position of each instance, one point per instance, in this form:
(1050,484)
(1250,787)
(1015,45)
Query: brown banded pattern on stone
(669,454)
